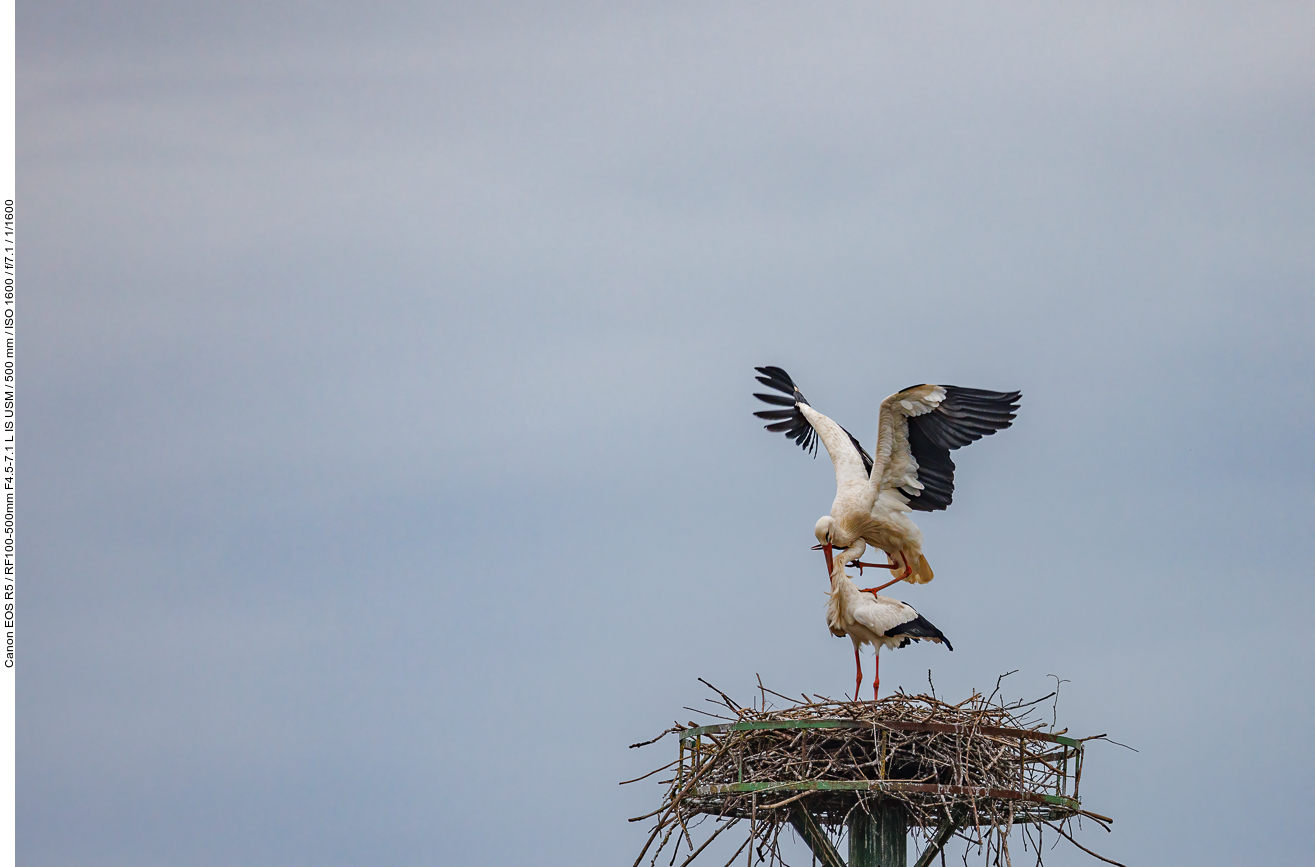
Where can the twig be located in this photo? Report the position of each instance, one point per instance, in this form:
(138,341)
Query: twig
(1066,836)
(730,704)
(649,774)
(713,836)
(998,680)
(655,740)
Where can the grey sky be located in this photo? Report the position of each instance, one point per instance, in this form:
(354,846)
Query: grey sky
(387,456)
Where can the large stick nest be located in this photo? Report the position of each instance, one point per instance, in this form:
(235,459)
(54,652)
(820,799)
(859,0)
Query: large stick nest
(945,764)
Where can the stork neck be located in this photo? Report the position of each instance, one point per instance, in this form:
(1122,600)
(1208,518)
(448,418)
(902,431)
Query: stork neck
(843,590)
(846,554)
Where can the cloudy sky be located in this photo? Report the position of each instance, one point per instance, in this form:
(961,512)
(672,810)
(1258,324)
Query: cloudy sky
(386,455)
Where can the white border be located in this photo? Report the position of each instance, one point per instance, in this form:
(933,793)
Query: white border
(8,176)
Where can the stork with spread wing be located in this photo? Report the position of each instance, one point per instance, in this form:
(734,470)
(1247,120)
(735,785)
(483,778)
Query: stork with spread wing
(911,471)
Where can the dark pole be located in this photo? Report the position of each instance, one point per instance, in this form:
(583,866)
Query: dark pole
(805,825)
(878,839)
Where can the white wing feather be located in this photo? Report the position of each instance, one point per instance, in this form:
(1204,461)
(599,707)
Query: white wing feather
(883,614)
(893,463)
(850,471)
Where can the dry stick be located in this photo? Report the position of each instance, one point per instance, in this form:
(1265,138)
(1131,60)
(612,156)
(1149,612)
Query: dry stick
(1054,708)
(737,852)
(655,740)
(662,846)
(773,692)
(998,680)
(729,703)
(694,778)
(651,838)
(708,763)
(647,815)
(729,824)
(789,800)
(1097,818)
(1106,738)
(740,711)
(1030,703)
(688,839)
(1066,836)
(649,774)
(753,824)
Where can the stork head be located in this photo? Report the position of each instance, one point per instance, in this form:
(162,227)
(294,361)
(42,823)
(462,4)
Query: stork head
(822,531)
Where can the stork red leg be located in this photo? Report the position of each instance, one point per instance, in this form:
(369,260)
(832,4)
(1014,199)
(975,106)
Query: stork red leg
(875,590)
(876,674)
(858,674)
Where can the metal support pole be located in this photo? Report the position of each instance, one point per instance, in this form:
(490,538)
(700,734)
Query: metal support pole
(879,839)
(807,828)
(942,836)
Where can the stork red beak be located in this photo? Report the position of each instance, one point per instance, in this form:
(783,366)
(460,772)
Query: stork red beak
(830,564)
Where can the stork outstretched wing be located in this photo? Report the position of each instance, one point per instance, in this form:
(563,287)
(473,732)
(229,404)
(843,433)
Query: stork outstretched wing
(918,428)
(793,422)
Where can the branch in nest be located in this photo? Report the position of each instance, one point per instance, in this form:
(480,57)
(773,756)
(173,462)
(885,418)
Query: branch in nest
(1067,837)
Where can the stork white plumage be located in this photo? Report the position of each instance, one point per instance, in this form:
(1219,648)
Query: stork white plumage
(877,620)
(912,468)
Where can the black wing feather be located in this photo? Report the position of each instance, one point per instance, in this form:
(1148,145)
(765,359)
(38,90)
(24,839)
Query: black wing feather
(964,416)
(919,629)
(862,452)
(796,427)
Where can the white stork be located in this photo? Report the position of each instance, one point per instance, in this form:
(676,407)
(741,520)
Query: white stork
(877,620)
(912,470)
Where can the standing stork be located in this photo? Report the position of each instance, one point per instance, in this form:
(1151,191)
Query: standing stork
(912,470)
(877,620)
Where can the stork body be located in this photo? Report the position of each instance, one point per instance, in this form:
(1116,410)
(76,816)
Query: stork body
(877,620)
(910,468)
